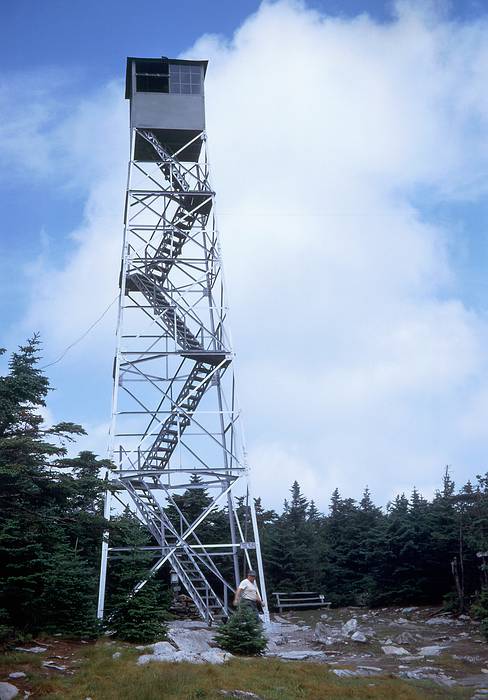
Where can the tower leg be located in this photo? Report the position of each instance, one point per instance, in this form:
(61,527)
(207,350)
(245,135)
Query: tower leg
(262,583)
(232,523)
(104,559)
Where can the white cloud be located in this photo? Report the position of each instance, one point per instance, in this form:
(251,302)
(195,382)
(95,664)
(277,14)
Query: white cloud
(359,361)
(67,299)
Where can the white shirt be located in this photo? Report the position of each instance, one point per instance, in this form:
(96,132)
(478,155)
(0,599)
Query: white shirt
(249,590)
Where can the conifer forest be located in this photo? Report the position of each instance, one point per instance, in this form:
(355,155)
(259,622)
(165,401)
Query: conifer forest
(414,551)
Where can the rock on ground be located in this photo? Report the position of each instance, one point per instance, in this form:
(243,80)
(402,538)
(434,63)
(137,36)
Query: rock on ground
(17,674)
(440,621)
(405,638)
(32,650)
(8,691)
(350,626)
(433,650)
(391,650)
(240,694)
(426,674)
(188,645)
(326,634)
(299,655)
(56,667)
(359,637)
(344,672)
(191,641)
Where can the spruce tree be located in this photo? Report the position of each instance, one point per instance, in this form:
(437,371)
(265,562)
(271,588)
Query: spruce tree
(242,634)
(140,618)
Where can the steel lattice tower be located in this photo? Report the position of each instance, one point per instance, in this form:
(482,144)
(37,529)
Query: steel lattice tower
(175,414)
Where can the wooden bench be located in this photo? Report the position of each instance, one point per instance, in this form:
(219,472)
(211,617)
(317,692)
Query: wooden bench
(300,599)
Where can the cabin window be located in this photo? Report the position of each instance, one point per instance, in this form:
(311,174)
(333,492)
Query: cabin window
(185,79)
(152,76)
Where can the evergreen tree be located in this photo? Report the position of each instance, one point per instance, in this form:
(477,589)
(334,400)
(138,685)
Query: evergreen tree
(242,634)
(32,513)
(140,618)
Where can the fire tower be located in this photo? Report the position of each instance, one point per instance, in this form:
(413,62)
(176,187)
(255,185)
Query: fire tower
(176,424)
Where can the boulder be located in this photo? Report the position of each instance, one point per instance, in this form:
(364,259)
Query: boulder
(8,691)
(359,637)
(350,626)
(32,650)
(163,648)
(391,650)
(191,641)
(17,674)
(198,653)
(215,656)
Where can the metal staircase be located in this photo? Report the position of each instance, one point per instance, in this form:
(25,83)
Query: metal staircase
(180,417)
(183,560)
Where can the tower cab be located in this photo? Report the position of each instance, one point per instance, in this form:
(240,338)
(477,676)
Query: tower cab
(167,98)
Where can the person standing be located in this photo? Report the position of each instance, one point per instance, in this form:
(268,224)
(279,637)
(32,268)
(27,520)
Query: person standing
(248,594)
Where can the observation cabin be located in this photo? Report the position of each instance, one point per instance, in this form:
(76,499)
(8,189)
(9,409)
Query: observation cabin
(166,97)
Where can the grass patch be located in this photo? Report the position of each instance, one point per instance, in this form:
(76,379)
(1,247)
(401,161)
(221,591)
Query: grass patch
(103,678)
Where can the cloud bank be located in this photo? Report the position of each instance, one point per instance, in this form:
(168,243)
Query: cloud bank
(360,361)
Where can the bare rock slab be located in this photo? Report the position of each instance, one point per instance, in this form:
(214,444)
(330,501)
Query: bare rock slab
(426,674)
(194,651)
(299,654)
(191,641)
(32,650)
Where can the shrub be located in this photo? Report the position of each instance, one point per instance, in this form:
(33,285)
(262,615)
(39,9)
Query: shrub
(450,602)
(484,628)
(479,608)
(242,634)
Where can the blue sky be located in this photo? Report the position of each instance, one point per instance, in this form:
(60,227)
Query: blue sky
(383,363)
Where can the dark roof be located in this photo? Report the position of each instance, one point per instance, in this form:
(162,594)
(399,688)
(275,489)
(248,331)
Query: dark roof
(130,59)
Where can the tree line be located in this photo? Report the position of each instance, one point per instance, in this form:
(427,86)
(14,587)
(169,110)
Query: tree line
(51,523)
